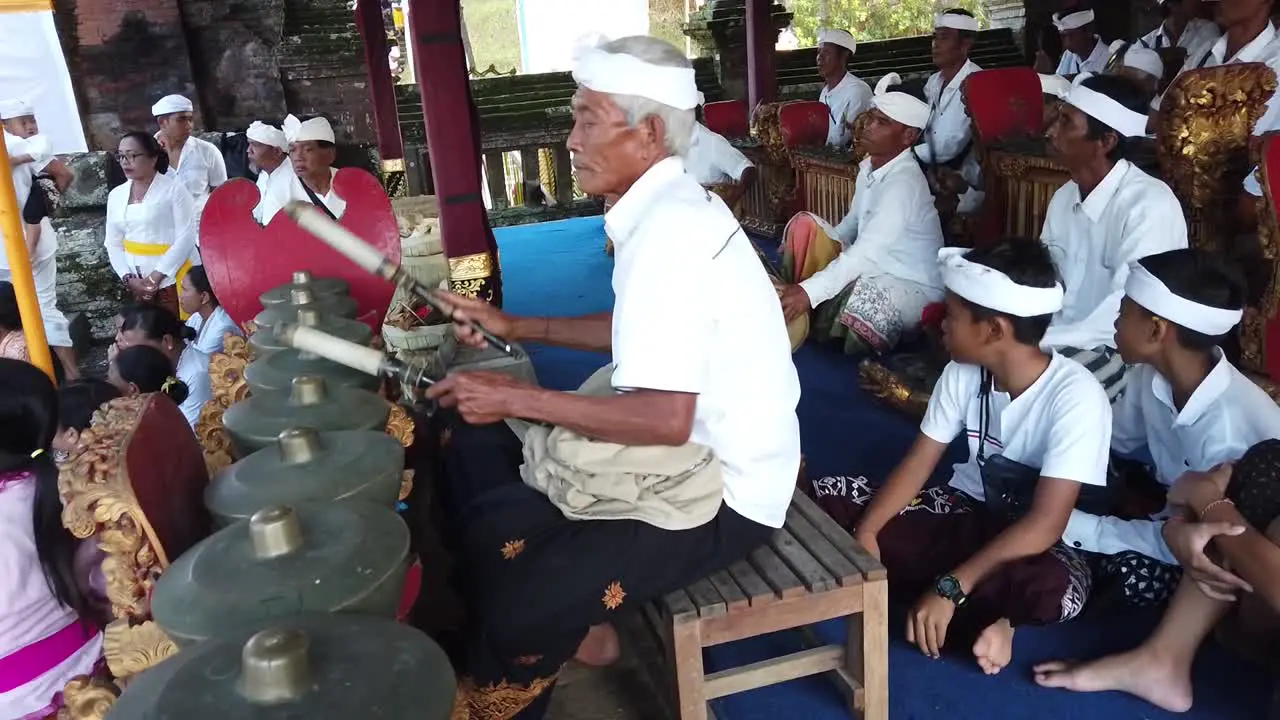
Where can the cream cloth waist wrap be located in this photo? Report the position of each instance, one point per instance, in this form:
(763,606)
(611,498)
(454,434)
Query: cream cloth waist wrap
(671,488)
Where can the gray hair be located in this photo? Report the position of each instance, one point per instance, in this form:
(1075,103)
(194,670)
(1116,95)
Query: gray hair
(678,123)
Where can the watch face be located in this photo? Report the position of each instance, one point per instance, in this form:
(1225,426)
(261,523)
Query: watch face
(948,587)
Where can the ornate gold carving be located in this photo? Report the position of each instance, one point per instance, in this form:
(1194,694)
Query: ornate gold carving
(130,649)
(400,426)
(393,165)
(471,267)
(1012,167)
(497,701)
(226,377)
(1253,328)
(406,484)
(476,289)
(88,697)
(1252,334)
(885,385)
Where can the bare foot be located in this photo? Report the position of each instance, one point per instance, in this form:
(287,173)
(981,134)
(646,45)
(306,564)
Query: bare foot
(600,647)
(994,648)
(1136,672)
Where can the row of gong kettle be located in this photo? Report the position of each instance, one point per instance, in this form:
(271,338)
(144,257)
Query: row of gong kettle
(288,609)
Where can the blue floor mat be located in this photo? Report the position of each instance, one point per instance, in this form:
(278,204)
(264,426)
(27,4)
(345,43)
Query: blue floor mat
(560,269)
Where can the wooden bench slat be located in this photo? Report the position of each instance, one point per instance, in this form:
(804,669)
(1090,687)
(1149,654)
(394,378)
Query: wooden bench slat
(823,550)
(776,573)
(815,578)
(863,560)
(753,586)
(681,607)
(734,599)
(707,599)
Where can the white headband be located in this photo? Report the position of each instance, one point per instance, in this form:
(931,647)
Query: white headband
(10,109)
(1138,58)
(267,135)
(1055,85)
(317,129)
(838,37)
(1146,289)
(622,74)
(906,109)
(990,288)
(1106,110)
(955,21)
(1072,21)
(170,104)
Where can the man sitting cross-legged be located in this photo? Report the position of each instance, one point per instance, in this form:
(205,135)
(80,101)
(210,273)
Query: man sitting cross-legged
(870,277)
(1236,510)
(1185,403)
(687,378)
(1106,217)
(985,550)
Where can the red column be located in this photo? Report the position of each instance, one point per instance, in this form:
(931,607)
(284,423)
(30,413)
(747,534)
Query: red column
(762,76)
(453,142)
(382,89)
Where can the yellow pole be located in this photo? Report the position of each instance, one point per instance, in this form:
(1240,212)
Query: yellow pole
(24,283)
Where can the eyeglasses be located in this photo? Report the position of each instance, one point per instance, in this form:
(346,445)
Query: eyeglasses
(129,158)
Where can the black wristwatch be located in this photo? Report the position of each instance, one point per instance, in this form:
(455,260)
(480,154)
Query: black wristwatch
(948,588)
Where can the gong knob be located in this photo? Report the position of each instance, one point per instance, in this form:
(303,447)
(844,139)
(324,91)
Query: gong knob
(308,390)
(299,445)
(274,531)
(276,667)
(301,296)
(301,277)
(308,316)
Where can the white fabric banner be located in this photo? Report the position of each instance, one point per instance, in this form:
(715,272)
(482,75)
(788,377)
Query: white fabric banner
(548,28)
(33,69)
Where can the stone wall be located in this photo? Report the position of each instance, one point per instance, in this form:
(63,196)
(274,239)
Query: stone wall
(86,283)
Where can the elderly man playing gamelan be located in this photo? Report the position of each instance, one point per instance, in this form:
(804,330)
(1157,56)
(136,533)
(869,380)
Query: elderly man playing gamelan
(699,401)
(870,277)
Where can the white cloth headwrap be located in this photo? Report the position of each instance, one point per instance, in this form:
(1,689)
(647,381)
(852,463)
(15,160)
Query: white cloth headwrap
(1073,20)
(838,37)
(1139,58)
(267,135)
(1055,85)
(906,109)
(10,109)
(317,128)
(1148,291)
(170,104)
(990,288)
(1105,110)
(622,74)
(955,21)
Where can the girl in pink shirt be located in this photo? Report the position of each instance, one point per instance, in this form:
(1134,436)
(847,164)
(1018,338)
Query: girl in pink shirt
(44,642)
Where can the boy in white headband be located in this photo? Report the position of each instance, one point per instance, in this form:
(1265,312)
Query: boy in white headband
(947,142)
(679,377)
(312,152)
(197,164)
(1110,214)
(1141,65)
(845,94)
(1182,28)
(1193,410)
(982,555)
(870,277)
(1083,50)
(268,150)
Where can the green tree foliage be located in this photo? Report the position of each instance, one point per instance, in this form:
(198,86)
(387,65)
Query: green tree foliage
(873,19)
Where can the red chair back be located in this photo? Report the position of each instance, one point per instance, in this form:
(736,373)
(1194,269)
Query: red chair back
(804,123)
(727,118)
(244,259)
(1004,102)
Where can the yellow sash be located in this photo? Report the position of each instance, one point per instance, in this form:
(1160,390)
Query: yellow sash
(17,6)
(156,250)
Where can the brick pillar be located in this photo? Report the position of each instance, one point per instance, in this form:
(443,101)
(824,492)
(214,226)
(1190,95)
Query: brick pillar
(124,55)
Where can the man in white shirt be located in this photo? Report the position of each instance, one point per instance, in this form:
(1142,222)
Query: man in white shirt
(30,157)
(679,375)
(1182,28)
(268,155)
(312,151)
(947,142)
(713,160)
(197,164)
(1194,411)
(845,94)
(985,551)
(1083,50)
(1106,217)
(871,276)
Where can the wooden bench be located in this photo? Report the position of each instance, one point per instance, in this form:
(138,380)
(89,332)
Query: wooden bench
(811,571)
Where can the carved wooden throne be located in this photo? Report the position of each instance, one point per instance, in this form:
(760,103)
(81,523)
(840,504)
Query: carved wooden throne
(1260,330)
(136,484)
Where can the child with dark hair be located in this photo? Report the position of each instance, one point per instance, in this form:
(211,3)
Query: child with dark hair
(144,369)
(207,317)
(160,329)
(1194,411)
(985,550)
(77,402)
(45,613)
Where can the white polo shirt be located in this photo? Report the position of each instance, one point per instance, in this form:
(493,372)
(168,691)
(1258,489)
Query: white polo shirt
(1073,64)
(1197,34)
(1061,424)
(712,159)
(201,168)
(891,229)
(728,346)
(1225,416)
(845,102)
(1128,216)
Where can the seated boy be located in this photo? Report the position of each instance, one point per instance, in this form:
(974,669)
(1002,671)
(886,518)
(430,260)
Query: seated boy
(1185,403)
(985,550)
(1235,509)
